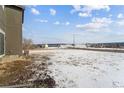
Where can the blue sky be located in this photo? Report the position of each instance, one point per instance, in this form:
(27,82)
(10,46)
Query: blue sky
(58,23)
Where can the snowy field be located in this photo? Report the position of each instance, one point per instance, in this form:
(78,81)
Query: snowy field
(85,69)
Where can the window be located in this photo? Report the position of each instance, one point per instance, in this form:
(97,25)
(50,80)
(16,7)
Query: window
(1,43)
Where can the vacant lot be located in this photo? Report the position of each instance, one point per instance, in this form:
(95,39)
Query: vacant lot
(64,68)
(82,68)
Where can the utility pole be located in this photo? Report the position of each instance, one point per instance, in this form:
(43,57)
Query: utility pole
(73,40)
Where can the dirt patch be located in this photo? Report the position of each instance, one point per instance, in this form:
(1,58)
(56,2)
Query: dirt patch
(41,77)
(48,82)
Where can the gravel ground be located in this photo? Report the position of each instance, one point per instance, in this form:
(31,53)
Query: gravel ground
(82,68)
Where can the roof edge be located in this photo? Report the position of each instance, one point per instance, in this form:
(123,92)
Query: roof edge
(20,6)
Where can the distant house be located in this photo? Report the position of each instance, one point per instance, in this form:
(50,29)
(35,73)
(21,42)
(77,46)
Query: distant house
(11,19)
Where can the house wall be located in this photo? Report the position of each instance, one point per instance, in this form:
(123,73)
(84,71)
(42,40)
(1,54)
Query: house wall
(2,31)
(14,17)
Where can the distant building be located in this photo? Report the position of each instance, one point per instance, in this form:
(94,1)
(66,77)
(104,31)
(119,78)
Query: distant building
(46,46)
(11,19)
(106,45)
(57,45)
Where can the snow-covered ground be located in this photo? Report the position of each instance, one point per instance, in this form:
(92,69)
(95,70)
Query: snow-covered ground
(82,68)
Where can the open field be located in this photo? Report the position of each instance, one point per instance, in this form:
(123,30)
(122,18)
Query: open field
(82,68)
(64,68)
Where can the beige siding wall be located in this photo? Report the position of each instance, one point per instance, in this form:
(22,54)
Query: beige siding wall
(13,30)
(2,31)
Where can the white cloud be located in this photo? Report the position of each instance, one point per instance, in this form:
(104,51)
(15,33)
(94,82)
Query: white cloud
(110,15)
(76,8)
(53,12)
(120,15)
(98,7)
(84,14)
(67,23)
(90,26)
(120,23)
(96,24)
(42,21)
(57,23)
(103,20)
(87,10)
(35,11)
(64,23)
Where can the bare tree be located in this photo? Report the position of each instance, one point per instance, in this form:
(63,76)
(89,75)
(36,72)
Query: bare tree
(27,44)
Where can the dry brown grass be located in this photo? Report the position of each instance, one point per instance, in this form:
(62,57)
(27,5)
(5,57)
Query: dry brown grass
(14,72)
